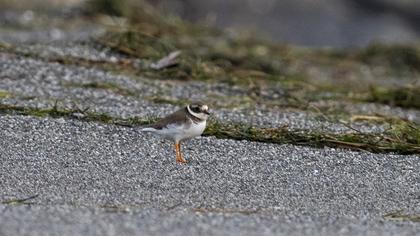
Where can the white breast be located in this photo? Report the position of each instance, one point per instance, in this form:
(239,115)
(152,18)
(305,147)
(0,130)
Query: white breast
(181,132)
(194,130)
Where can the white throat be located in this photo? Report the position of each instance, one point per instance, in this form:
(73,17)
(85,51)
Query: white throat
(200,116)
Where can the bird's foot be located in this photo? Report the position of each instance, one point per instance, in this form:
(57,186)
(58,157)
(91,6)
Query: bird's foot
(180,159)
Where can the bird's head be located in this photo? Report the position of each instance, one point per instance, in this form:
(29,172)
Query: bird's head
(199,110)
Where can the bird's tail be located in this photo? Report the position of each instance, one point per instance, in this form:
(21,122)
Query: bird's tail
(148,129)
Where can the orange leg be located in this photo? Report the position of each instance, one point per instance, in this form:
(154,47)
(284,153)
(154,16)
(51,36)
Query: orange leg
(179,157)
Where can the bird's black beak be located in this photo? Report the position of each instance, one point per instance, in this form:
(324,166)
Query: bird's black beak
(206,112)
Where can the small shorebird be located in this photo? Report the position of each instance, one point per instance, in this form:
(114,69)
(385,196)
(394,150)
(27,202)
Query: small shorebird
(186,123)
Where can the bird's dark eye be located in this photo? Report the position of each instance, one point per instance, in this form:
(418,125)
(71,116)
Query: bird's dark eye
(195,109)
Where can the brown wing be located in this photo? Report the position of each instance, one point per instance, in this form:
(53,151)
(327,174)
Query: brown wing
(177,117)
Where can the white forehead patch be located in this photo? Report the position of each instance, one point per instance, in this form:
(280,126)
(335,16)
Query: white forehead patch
(205,107)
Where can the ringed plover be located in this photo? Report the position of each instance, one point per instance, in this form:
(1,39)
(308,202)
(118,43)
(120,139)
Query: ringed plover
(186,123)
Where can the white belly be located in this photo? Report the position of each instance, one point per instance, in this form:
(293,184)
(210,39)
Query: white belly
(178,133)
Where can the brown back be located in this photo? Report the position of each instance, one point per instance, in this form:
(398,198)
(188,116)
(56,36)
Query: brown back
(177,117)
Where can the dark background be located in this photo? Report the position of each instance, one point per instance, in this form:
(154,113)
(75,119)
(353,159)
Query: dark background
(336,23)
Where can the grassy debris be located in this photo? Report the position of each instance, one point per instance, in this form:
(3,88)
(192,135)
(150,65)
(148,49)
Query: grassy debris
(204,57)
(116,208)
(401,216)
(402,138)
(82,115)
(4,94)
(407,96)
(206,53)
(19,201)
(399,57)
